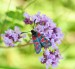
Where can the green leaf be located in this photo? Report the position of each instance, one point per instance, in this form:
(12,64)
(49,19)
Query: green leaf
(11,14)
(15,15)
(19,25)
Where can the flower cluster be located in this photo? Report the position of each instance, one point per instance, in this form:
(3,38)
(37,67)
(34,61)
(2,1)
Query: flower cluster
(45,26)
(12,36)
(50,31)
(35,18)
(50,58)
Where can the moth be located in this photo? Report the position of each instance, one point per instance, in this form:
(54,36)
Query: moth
(39,41)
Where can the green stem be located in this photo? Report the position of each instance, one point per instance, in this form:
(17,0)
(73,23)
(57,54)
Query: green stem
(29,4)
(19,46)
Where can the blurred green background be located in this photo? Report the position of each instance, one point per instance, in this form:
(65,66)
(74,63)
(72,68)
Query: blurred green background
(11,14)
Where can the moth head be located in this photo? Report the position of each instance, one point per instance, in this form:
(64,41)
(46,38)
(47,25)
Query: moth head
(34,33)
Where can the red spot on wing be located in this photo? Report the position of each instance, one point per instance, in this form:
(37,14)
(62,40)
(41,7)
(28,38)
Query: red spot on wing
(46,40)
(34,38)
(36,46)
(39,34)
(36,43)
(42,40)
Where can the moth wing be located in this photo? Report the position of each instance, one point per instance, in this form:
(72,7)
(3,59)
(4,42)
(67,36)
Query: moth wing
(45,42)
(37,44)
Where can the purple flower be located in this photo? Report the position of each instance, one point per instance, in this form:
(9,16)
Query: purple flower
(12,36)
(48,63)
(48,28)
(27,15)
(41,19)
(36,17)
(50,58)
(8,41)
(54,64)
(39,28)
(27,19)
(45,26)
(47,52)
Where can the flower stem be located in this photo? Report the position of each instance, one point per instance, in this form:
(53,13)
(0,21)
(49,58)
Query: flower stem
(19,46)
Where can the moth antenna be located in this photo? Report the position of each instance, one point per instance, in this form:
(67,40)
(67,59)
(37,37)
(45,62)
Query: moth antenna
(25,32)
(34,24)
